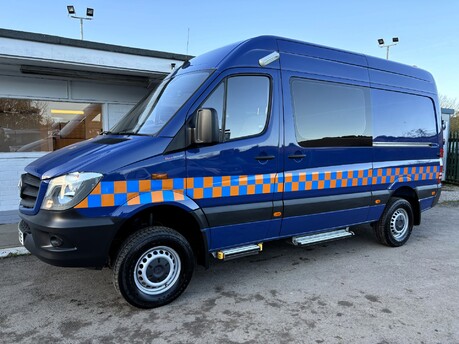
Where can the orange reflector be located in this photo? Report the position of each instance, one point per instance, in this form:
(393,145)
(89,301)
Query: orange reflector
(377,201)
(433,193)
(277,214)
(159,176)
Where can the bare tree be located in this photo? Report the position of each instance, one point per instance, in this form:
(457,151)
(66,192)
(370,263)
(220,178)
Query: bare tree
(22,114)
(449,102)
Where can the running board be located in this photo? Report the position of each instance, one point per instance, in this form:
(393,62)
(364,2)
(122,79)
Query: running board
(322,237)
(238,252)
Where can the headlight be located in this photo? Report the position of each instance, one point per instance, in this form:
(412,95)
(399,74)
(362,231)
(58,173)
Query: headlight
(66,191)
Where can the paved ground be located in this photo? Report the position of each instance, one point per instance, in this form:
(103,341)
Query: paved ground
(349,291)
(9,235)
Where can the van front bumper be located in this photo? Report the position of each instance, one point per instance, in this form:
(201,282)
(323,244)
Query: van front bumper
(68,239)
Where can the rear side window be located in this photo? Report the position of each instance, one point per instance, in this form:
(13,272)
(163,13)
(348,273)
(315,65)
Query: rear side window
(401,117)
(329,114)
(242,104)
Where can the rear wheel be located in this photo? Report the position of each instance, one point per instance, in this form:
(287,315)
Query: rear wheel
(396,223)
(153,267)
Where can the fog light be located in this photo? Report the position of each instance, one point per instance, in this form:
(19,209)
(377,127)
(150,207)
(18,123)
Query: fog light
(56,241)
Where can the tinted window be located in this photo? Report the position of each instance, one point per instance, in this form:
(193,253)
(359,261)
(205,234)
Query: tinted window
(329,114)
(401,117)
(245,110)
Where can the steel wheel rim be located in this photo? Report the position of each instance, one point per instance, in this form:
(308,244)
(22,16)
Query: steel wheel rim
(399,224)
(157,270)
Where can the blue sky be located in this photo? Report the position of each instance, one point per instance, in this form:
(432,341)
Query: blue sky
(428,30)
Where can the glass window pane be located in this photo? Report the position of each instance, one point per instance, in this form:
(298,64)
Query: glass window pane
(215,101)
(151,114)
(329,114)
(401,117)
(43,126)
(246,106)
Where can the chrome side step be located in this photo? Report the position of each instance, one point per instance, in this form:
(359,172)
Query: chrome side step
(238,252)
(322,237)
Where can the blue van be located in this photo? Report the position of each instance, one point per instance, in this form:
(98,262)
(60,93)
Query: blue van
(261,140)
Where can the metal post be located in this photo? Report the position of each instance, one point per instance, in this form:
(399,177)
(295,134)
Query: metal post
(89,16)
(387,46)
(81,30)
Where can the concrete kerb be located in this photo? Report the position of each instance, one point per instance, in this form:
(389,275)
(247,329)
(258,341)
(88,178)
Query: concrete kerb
(9,241)
(13,252)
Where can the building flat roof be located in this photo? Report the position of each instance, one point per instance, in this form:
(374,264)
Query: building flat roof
(43,38)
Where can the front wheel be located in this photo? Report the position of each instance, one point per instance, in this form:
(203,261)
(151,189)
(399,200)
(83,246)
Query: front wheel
(396,223)
(153,267)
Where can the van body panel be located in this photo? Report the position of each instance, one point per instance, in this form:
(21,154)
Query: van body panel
(97,155)
(323,171)
(211,59)
(223,237)
(315,222)
(400,82)
(233,173)
(375,63)
(316,68)
(248,54)
(321,52)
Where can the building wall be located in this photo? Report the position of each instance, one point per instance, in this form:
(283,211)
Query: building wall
(116,100)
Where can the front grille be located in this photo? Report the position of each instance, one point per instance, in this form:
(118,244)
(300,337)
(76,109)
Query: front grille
(29,190)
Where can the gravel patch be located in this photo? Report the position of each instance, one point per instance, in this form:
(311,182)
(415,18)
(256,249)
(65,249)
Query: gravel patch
(449,193)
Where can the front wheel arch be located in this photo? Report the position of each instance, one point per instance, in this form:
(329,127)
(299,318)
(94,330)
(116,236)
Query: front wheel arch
(190,224)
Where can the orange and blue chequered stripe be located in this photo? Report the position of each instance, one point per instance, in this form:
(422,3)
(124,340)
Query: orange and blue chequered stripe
(226,186)
(134,192)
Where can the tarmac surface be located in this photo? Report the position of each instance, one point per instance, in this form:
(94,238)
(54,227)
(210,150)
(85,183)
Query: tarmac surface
(349,291)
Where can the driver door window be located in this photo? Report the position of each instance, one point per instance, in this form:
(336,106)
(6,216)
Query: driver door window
(242,104)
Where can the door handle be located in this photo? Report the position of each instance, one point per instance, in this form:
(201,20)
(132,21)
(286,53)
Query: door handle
(297,156)
(265,157)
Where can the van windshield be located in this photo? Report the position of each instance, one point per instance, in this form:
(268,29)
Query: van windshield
(150,115)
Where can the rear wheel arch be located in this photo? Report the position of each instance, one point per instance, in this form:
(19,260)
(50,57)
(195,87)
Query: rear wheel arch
(188,224)
(396,223)
(411,196)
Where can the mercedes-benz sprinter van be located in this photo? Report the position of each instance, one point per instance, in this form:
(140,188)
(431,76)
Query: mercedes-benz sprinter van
(261,140)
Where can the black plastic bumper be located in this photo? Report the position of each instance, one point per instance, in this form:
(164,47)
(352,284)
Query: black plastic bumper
(437,196)
(78,241)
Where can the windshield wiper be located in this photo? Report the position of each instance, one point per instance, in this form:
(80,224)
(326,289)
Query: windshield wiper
(128,132)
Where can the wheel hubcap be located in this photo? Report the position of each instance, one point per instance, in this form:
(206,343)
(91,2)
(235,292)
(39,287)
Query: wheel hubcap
(399,224)
(157,270)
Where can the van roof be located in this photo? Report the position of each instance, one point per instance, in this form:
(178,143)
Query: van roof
(315,59)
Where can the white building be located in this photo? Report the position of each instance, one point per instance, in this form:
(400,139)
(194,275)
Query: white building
(55,91)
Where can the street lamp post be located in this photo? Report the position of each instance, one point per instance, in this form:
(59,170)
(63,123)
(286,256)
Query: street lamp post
(382,45)
(89,16)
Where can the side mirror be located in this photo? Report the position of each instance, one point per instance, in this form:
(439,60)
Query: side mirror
(206,130)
